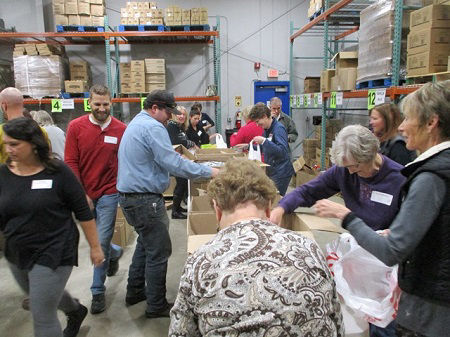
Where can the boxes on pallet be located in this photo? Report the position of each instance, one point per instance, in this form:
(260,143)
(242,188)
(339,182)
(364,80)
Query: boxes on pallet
(311,84)
(75,87)
(424,40)
(346,71)
(98,2)
(85,20)
(155,78)
(84,8)
(98,20)
(137,66)
(48,49)
(58,8)
(74,20)
(97,10)
(433,16)
(186,17)
(138,87)
(432,61)
(71,7)
(61,20)
(155,66)
(149,87)
(325,79)
(126,87)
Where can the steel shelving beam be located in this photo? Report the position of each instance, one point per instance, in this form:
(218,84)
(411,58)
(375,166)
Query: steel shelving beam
(217,77)
(127,99)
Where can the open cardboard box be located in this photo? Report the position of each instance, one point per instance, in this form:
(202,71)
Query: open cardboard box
(200,204)
(313,222)
(303,172)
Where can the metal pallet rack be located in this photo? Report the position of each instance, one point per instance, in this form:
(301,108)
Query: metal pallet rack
(109,38)
(335,23)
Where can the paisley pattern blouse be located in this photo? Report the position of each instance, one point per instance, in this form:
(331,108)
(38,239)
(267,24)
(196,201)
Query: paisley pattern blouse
(257,279)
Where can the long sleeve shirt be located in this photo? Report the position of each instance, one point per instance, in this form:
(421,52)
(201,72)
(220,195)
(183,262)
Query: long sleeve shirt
(146,157)
(178,135)
(376,200)
(91,153)
(289,125)
(246,134)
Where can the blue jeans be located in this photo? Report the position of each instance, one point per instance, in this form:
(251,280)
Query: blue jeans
(388,331)
(146,212)
(105,209)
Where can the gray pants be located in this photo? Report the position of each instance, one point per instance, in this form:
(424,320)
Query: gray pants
(45,287)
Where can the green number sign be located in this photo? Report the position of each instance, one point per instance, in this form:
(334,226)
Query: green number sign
(292,101)
(305,100)
(56,105)
(371,98)
(142,103)
(333,100)
(316,100)
(87,107)
(298,104)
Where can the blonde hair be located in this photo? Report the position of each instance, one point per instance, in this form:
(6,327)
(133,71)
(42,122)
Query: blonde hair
(183,110)
(242,180)
(42,117)
(246,112)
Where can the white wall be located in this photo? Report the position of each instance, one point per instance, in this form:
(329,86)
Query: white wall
(251,31)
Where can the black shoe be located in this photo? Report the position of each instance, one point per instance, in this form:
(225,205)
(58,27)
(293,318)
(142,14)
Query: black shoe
(132,300)
(98,304)
(157,314)
(114,265)
(178,215)
(74,320)
(182,209)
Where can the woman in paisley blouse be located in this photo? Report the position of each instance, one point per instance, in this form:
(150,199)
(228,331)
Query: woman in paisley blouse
(254,278)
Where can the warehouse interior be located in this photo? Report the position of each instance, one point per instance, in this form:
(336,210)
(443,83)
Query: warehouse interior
(258,42)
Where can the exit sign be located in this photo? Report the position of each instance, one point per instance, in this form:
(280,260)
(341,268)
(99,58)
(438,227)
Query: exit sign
(272,73)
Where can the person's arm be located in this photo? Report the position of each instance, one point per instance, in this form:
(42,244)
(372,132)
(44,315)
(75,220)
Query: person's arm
(278,147)
(323,186)
(71,151)
(292,131)
(409,226)
(183,320)
(90,232)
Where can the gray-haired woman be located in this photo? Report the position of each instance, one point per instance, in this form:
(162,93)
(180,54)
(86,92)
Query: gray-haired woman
(55,134)
(418,238)
(370,184)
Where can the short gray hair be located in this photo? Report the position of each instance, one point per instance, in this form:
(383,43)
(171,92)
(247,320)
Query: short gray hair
(42,117)
(276,100)
(354,142)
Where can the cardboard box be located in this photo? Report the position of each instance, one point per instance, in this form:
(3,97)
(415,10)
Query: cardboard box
(58,8)
(184,152)
(201,228)
(325,79)
(200,204)
(97,10)
(346,79)
(61,20)
(84,8)
(149,87)
(71,8)
(98,2)
(74,20)
(123,232)
(334,83)
(98,20)
(314,222)
(420,41)
(137,66)
(155,78)
(155,69)
(311,84)
(433,16)
(138,87)
(79,66)
(137,76)
(433,61)
(85,20)
(303,172)
(345,59)
(126,88)
(169,191)
(76,86)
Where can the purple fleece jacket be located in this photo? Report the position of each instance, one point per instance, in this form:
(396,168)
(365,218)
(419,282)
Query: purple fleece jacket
(359,193)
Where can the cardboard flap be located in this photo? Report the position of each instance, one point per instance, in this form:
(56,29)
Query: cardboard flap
(201,223)
(292,221)
(314,222)
(184,152)
(196,241)
(201,204)
(299,163)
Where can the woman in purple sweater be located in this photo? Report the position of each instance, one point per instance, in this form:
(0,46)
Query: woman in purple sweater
(370,184)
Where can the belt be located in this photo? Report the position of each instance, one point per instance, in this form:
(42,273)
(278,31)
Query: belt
(138,194)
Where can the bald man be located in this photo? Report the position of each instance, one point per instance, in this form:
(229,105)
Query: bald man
(11,105)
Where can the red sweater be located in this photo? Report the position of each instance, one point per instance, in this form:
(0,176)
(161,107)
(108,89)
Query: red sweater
(246,134)
(92,154)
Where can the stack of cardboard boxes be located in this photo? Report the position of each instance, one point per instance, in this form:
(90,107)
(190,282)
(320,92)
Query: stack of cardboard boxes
(346,71)
(80,77)
(139,76)
(311,84)
(199,16)
(141,13)
(155,74)
(332,128)
(428,40)
(38,49)
(325,79)
(309,151)
(79,12)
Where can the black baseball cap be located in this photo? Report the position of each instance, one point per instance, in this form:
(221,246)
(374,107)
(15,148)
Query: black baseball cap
(163,97)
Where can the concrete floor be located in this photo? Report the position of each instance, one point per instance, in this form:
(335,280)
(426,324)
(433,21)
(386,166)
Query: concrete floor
(118,320)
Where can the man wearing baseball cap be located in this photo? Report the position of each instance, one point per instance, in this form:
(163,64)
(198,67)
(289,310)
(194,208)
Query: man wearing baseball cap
(146,158)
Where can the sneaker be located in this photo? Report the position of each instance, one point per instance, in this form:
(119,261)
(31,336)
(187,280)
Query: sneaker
(158,314)
(98,304)
(132,300)
(74,320)
(178,215)
(182,209)
(114,265)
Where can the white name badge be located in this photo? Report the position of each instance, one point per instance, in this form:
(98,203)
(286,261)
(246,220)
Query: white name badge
(382,198)
(110,140)
(44,184)
(204,122)
(199,133)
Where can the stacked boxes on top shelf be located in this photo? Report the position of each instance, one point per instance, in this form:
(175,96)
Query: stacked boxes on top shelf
(141,76)
(346,71)
(79,12)
(34,49)
(80,77)
(428,41)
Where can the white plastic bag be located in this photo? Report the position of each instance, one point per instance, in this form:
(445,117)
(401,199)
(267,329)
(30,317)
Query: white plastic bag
(366,284)
(220,143)
(254,154)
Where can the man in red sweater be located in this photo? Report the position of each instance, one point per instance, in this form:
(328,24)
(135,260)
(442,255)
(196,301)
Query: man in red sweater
(92,144)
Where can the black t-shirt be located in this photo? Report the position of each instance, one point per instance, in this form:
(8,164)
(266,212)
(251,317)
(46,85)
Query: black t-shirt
(36,217)
(199,137)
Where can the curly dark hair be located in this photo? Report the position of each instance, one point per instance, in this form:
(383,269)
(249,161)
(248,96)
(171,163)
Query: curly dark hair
(29,130)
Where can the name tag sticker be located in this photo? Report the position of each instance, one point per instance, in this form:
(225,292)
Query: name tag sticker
(382,198)
(204,122)
(110,140)
(44,184)
(199,133)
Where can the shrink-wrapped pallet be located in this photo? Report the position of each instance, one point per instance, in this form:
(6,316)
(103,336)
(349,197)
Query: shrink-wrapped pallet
(40,76)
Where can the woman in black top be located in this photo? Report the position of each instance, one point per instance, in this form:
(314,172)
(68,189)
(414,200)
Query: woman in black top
(205,120)
(384,120)
(37,197)
(177,133)
(195,131)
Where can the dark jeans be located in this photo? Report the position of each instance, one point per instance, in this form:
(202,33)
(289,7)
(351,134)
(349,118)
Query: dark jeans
(179,193)
(146,212)
(388,331)
(404,332)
